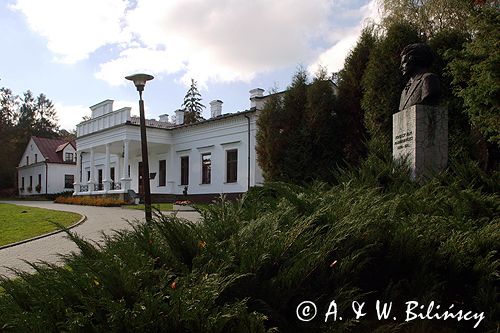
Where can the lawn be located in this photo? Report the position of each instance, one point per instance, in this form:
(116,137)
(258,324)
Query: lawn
(21,222)
(166,206)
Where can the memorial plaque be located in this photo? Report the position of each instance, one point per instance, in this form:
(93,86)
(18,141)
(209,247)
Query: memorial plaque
(420,138)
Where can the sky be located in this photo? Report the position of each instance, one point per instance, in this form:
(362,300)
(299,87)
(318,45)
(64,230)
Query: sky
(77,52)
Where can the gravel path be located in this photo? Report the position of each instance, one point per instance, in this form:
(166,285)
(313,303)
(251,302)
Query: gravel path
(99,219)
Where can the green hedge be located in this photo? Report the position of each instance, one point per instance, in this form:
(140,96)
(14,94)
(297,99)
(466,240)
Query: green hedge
(372,236)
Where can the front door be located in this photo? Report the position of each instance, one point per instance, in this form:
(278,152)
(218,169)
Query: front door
(141,185)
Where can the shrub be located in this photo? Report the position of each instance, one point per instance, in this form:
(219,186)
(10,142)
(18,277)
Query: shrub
(90,201)
(246,267)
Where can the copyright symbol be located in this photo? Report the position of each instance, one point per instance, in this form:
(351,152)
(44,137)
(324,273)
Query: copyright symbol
(306,311)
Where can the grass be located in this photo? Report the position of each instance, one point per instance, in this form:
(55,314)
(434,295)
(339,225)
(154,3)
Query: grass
(21,222)
(166,206)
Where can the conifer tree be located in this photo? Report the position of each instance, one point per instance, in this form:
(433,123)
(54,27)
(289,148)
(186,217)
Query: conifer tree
(192,105)
(350,93)
(383,81)
(298,137)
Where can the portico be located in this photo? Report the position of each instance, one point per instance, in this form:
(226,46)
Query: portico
(108,151)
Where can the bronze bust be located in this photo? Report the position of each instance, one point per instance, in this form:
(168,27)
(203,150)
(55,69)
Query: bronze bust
(422,87)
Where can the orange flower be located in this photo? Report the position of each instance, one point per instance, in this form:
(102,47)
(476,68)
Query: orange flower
(202,244)
(173,285)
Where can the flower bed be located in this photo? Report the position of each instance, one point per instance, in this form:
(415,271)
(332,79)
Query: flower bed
(183,205)
(90,201)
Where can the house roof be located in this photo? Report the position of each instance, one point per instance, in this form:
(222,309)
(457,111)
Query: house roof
(151,123)
(161,124)
(51,149)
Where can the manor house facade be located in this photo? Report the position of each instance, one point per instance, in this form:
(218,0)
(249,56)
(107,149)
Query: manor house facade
(212,157)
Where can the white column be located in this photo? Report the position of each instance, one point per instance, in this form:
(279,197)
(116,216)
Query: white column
(78,172)
(107,181)
(171,173)
(91,181)
(126,178)
(119,169)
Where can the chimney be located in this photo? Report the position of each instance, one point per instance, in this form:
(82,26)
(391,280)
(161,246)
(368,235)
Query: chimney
(216,108)
(256,98)
(179,117)
(164,118)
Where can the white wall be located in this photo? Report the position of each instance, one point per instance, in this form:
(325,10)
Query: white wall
(31,150)
(33,170)
(56,177)
(216,137)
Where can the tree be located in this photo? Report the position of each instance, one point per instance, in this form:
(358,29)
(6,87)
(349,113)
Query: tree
(8,107)
(475,74)
(192,105)
(8,118)
(326,135)
(297,138)
(383,82)
(350,93)
(45,117)
(430,16)
(283,144)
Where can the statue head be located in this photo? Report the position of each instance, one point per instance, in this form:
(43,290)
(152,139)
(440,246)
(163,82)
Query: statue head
(415,58)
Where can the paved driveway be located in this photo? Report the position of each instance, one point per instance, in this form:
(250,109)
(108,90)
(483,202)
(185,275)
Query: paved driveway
(99,219)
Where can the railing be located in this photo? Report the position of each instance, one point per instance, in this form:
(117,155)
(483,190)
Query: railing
(102,122)
(116,186)
(84,188)
(98,187)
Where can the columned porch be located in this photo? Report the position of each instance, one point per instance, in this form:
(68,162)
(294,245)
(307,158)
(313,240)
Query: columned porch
(113,168)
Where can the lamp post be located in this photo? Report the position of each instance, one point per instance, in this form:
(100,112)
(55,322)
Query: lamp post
(140,81)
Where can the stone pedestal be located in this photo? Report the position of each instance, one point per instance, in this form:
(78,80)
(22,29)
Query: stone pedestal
(420,137)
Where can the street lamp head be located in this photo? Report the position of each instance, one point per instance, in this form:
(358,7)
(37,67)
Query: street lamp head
(140,80)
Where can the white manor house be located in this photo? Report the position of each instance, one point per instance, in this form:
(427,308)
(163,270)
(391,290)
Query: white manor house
(212,157)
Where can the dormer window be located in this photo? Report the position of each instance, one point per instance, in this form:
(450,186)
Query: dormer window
(68,157)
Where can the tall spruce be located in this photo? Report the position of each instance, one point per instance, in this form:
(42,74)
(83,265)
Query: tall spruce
(298,139)
(326,135)
(383,81)
(350,93)
(46,117)
(192,105)
(283,145)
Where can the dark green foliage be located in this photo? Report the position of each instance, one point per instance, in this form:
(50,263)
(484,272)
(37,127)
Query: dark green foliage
(192,105)
(8,119)
(383,81)
(476,78)
(248,264)
(299,136)
(21,118)
(350,94)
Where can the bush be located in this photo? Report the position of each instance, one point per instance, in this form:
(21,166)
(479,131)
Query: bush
(90,201)
(249,263)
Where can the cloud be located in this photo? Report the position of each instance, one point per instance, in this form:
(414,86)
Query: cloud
(71,115)
(345,39)
(223,40)
(75,29)
(210,41)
